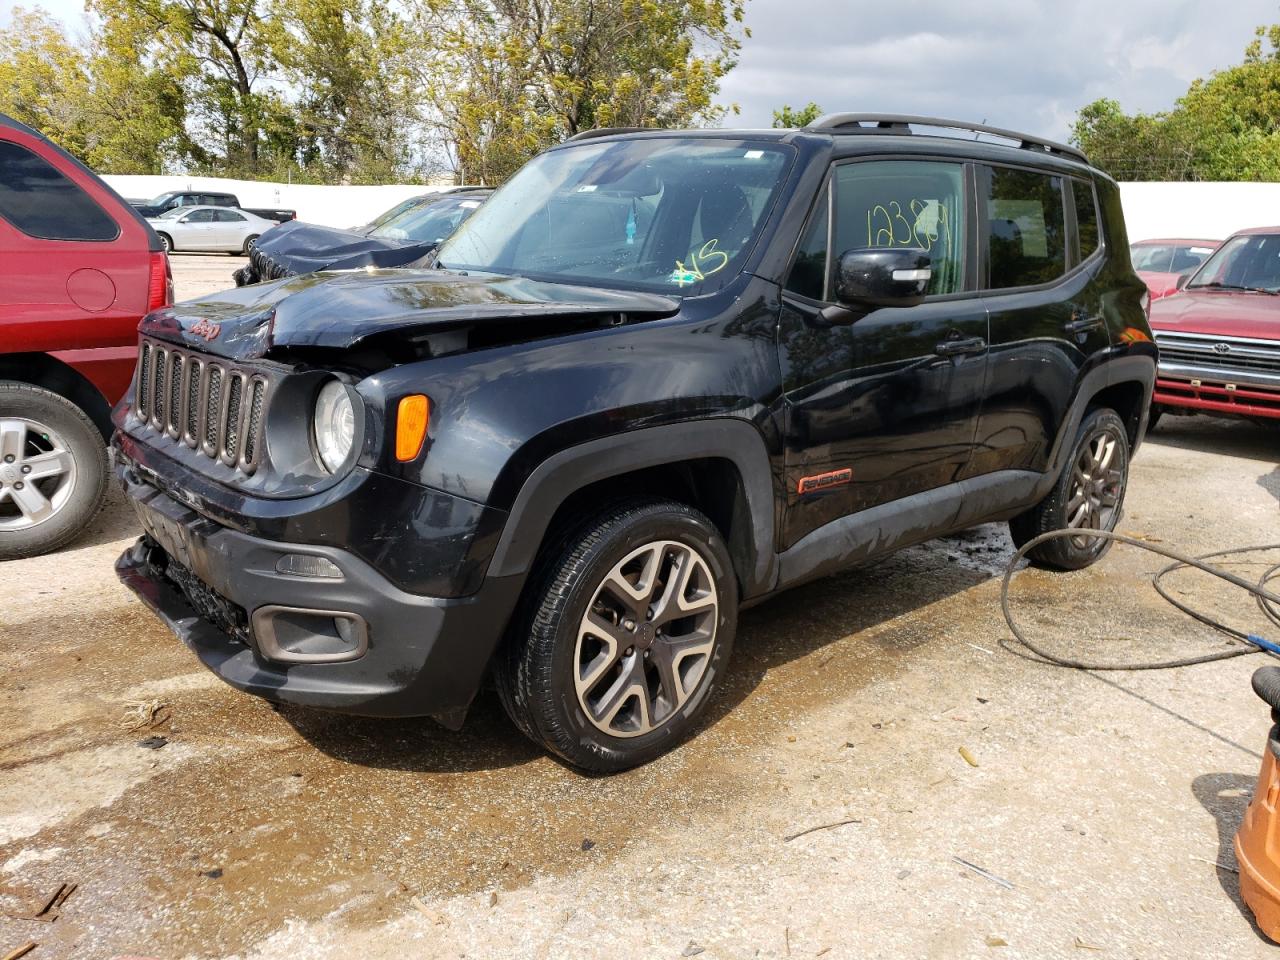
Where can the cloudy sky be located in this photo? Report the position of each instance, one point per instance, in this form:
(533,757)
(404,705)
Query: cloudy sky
(1024,64)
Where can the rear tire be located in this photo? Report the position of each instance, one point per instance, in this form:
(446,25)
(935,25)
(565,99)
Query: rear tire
(249,241)
(46,436)
(1088,495)
(628,623)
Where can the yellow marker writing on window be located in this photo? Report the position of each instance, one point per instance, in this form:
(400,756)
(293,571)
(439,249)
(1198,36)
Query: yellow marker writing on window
(703,262)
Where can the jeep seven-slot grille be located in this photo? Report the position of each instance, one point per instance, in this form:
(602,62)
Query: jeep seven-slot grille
(211,406)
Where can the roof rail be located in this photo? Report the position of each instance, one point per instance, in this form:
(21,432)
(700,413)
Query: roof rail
(606,132)
(902,124)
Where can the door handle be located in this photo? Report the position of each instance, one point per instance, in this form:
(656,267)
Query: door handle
(1083,325)
(955,348)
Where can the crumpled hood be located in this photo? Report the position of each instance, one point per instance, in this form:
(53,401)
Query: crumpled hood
(1222,314)
(338,310)
(299,247)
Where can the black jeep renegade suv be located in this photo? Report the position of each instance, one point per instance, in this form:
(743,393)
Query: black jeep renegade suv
(658,376)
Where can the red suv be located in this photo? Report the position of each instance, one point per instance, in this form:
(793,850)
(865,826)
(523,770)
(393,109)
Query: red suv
(80,269)
(1219,337)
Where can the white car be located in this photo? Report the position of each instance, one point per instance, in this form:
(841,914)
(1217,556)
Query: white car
(227,229)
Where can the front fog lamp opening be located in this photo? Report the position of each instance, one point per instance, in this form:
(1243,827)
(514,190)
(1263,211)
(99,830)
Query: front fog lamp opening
(334,425)
(301,635)
(305,565)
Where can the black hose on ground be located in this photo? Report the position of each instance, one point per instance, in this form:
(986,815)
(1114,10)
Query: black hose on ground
(1268,602)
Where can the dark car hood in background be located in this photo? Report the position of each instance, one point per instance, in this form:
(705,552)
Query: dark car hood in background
(338,310)
(298,247)
(1219,313)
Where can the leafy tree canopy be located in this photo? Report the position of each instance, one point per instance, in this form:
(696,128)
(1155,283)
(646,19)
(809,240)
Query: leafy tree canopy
(788,118)
(1226,127)
(361,90)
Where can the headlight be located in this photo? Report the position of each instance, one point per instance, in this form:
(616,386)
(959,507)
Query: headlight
(334,426)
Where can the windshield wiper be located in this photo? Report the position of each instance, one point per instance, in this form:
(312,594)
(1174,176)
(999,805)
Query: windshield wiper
(1218,285)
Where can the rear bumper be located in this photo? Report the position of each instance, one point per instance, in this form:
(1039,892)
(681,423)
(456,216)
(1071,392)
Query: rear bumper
(220,592)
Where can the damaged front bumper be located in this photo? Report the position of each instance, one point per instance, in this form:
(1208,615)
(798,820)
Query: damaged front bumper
(307,624)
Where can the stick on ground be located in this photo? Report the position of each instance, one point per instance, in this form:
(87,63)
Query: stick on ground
(823,826)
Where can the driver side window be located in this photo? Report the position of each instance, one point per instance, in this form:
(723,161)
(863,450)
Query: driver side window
(905,203)
(886,203)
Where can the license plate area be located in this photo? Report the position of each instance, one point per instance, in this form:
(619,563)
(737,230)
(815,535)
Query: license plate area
(185,555)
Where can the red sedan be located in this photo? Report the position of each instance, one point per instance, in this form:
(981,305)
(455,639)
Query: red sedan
(81,268)
(1161,263)
(1219,337)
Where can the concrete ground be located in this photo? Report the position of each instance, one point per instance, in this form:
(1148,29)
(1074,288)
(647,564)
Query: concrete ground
(1100,805)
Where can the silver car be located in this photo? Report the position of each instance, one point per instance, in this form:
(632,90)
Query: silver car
(226,229)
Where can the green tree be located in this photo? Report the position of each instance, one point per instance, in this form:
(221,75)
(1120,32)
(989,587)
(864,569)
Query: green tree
(135,111)
(514,76)
(220,52)
(1226,127)
(43,78)
(789,118)
(358,112)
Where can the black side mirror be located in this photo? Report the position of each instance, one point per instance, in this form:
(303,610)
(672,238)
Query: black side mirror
(884,277)
(1182,280)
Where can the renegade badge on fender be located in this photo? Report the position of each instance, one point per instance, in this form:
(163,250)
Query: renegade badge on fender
(656,377)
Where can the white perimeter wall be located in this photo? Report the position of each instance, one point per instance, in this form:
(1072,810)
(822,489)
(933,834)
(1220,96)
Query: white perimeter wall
(1196,210)
(330,206)
(1209,211)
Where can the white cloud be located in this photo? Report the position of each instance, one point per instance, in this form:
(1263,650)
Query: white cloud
(1029,64)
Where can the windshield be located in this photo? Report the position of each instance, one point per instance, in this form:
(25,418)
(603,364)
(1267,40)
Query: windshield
(161,200)
(172,213)
(395,211)
(1168,258)
(1242,263)
(427,222)
(668,215)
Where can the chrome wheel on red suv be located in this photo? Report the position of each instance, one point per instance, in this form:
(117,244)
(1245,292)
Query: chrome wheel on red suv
(53,470)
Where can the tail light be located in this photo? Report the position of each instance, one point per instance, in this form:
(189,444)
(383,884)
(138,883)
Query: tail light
(159,282)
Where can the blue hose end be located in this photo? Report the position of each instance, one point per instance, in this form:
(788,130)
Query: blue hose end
(1267,645)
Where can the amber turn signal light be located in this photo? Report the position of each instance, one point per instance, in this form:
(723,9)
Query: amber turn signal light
(412,416)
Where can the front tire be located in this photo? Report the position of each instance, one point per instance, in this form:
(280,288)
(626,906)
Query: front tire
(166,241)
(627,627)
(1089,495)
(53,470)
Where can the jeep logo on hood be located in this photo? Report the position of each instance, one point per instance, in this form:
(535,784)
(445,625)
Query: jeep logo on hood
(204,328)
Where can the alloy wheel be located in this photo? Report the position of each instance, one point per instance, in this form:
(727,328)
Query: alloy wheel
(37,473)
(1097,486)
(646,640)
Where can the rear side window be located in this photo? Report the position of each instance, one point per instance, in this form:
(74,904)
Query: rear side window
(1086,218)
(1026,229)
(41,202)
(228,216)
